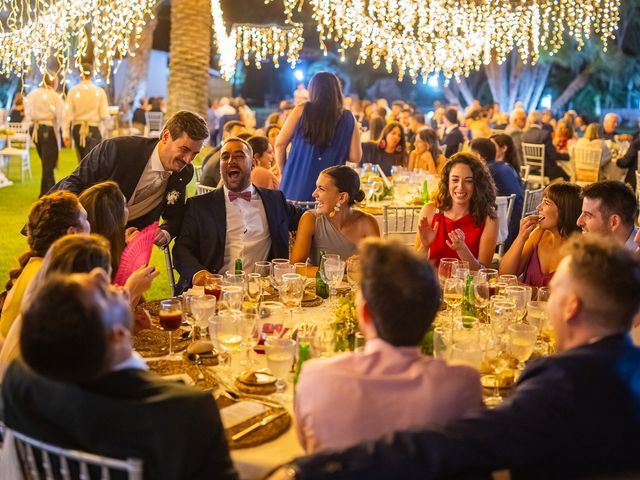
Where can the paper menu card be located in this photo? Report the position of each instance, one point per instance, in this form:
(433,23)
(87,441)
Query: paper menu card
(241,412)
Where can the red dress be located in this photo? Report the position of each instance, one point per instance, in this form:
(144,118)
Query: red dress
(472,234)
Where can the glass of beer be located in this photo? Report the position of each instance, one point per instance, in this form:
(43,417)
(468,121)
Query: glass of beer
(170,320)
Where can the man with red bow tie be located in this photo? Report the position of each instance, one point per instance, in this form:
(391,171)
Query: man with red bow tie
(238,220)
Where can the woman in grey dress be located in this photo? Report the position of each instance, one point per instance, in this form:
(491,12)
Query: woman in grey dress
(334,226)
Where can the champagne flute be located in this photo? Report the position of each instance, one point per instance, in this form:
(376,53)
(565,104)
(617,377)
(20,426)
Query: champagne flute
(292,291)
(353,271)
(203,308)
(452,293)
(522,339)
(170,317)
(280,353)
(445,269)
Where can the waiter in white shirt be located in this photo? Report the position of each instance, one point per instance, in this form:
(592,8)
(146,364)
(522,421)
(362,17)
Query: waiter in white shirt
(87,106)
(44,110)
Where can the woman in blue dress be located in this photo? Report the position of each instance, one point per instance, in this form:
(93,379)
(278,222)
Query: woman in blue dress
(321,133)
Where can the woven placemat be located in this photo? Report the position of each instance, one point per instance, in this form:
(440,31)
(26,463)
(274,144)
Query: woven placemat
(154,342)
(201,377)
(260,436)
(313,302)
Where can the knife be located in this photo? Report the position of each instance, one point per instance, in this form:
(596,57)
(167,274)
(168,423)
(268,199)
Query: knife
(265,421)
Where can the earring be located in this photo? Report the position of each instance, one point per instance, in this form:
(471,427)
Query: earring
(382,144)
(336,209)
(399,148)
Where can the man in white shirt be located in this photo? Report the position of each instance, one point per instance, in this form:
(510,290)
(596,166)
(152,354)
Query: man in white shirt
(609,209)
(236,221)
(87,107)
(44,110)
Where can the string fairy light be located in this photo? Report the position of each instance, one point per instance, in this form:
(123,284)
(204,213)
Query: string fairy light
(262,42)
(36,32)
(455,37)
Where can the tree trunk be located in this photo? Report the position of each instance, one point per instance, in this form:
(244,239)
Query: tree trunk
(574,87)
(135,84)
(464,89)
(190,52)
(540,81)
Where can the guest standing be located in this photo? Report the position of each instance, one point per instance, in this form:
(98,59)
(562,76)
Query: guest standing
(390,151)
(321,133)
(535,252)
(87,107)
(333,226)
(44,110)
(463,224)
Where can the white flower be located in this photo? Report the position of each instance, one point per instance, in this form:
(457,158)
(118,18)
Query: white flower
(172,197)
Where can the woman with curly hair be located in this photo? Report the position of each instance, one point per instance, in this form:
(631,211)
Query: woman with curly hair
(51,217)
(463,223)
(534,253)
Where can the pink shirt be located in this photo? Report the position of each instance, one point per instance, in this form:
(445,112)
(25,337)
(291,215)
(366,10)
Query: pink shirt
(355,397)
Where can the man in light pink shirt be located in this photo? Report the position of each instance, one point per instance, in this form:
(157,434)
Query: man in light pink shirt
(390,386)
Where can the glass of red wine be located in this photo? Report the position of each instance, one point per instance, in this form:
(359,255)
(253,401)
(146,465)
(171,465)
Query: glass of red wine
(213,285)
(170,319)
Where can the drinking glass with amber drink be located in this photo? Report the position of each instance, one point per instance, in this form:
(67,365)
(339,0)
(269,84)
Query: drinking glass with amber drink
(170,316)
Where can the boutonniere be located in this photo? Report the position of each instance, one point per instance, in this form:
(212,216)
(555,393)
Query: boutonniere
(172,197)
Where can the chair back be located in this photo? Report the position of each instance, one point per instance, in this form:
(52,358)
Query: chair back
(154,124)
(505,210)
(18,137)
(40,460)
(497,131)
(533,155)
(524,173)
(587,165)
(201,189)
(400,223)
(305,205)
(168,262)
(198,171)
(532,199)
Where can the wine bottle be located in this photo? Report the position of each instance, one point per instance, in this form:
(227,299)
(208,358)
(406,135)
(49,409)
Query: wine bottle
(304,354)
(322,289)
(468,308)
(238,267)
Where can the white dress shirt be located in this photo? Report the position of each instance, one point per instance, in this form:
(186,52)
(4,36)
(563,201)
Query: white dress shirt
(86,102)
(150,188)
(248,236)
(44,105)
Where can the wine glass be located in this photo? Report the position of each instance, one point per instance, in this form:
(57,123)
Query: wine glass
(498,360)
(481,298)
(508,279)
(229,332)
(280,353)
(292,291)
(452,293)
(274,262)
(203,308)
(187,312)
(353,271)
(378,187)
(248,330)
(445,269)
(279,270)
(502,314)
(537,314)
(543,294)
(522,339)
(333,271)
(213,284)
(253,291)
(517,295)
(234,277)
(231,297)
(170,317)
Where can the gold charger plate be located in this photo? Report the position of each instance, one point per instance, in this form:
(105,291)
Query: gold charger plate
(200,376)
(371,210)
(260,436)
(154,342)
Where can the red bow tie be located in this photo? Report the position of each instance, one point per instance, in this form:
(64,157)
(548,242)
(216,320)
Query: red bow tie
(233,196)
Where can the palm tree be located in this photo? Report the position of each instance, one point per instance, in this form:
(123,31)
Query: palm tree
(190,53)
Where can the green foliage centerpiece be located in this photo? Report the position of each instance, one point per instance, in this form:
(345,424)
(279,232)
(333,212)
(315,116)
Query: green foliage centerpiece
(345,324)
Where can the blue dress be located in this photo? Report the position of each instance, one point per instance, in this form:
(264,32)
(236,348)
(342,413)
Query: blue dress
(305,161)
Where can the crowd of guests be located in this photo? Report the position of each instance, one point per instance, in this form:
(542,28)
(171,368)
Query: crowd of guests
(67,333)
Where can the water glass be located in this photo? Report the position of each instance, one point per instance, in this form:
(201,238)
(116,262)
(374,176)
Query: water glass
(280,269)
(508,279)
(445,269)
(353,271)
(231,297)
(333,272)
(441,342)
(537,315)
(230,332)
(292,291)
(517,295)
(522,339)
(263,268)
(249,332)
(203,308)
(466,353)
(274,262)
(301,268)
(234,277)
(280,353)
(465,329)
(502,314)
(543,294)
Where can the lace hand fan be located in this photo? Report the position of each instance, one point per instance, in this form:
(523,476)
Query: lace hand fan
(136,254)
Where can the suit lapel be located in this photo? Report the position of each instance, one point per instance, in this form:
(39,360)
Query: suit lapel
(269,209)
(135,167)
(219,215)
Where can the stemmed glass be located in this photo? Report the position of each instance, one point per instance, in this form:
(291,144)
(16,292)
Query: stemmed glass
(262,268)
(292,291)
(517,295)
(445,269)
(253,291)
(280,353)
(231,298)
(213,284)
(229,332)
(378,187)
(279,270)
(499,362)
(301,268)
(508,279)
(452,293)
(234,277)
(353,271)
(332,275)
(274,263)
(502,314)
(203,308)
(522,339)
(481,297)
(170,316)
(248,330)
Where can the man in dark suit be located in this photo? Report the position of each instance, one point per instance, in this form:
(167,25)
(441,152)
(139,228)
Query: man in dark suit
(236,221)
(538,135)
(80,386)
(573,414)
(152,173)
(453,137)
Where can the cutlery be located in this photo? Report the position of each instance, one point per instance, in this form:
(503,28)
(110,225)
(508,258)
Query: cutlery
(264,422)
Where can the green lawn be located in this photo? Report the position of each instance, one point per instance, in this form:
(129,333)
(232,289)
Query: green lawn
(15,202)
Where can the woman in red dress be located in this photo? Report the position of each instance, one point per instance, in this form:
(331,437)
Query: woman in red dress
(463,223)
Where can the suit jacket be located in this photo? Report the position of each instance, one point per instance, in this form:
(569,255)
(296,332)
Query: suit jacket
(123,159)
(200,245)
(570,415)
(174,429)
(452,140)
(551,155)
(630,161)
